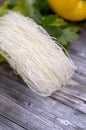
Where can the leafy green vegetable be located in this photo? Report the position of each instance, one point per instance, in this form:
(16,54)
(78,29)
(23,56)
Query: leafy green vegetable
(68,35)
(2,59)
(20,7)
(4,8)
(53,20)
(60,29)
(14,5)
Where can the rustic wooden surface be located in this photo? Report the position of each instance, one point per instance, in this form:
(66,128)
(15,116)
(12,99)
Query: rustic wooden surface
(22,109)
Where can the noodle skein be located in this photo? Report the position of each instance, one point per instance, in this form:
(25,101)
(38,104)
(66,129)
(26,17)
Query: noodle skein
(35,56)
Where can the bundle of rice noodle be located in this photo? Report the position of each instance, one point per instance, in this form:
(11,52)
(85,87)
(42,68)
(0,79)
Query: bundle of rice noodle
(33,54)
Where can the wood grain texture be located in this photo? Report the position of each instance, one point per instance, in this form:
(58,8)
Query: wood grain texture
(64,110)
(8,124)
(24,118)
(78,53)
(4,127)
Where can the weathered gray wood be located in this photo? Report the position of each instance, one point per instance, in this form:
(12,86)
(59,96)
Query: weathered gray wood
(44,108)
(8,71)
(80,78)
(24,118)
(78,53)
(4,127)
(80,63)
(72,100)
(8,124)
(76,89)
(73,95)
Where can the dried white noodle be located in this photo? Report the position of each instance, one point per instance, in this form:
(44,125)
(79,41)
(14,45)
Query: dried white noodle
(36,57)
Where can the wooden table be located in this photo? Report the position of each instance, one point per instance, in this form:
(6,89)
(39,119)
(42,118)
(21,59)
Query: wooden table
(22,109)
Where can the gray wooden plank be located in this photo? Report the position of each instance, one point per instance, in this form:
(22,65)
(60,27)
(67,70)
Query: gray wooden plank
(80,64)
(4,127)
(45,108)
(76,89)
(72,100)
(8,71)
(8,124)
(78,52)
(80,78)
(75,98)
(24,118)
